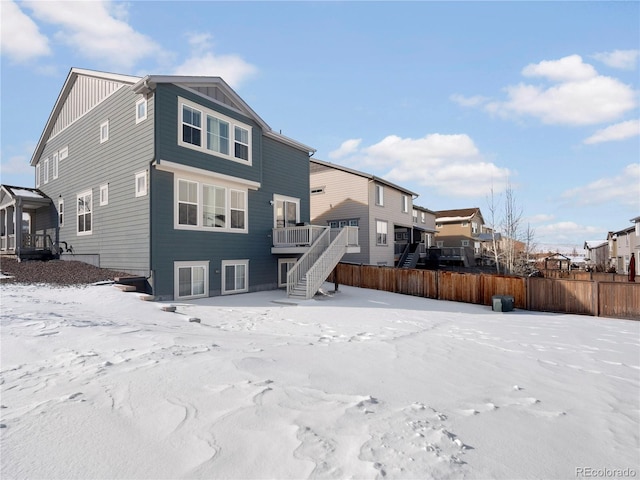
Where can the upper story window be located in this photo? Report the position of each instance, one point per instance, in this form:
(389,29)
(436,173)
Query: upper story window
(211,132)
(56,165)
(141,110)
(37,175)
(465,243)
(405,203)
(104,131)
(141,184)
(415,216)
(191,126)
(45,166)
(379,195)
(474,227)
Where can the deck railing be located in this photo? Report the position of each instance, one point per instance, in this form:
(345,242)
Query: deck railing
(301,236)
(36,241)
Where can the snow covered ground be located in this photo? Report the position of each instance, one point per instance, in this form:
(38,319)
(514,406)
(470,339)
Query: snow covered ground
(96,383)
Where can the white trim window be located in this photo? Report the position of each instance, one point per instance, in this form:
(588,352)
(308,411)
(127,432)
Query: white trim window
(104,131)
(104,194)
(141,184)
(85,213)
(209,206)
(235,276)
(38,174)
(423,217)
(60,212)
(405,204)
(213,133)
(191,280)
(465,243)
(381,232)
(63,153)
(474,227)
(45,166)
(379,195)
(141,110)
(56,165)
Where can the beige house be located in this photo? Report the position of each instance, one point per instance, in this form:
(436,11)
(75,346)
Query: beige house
(621,244)
(389,224)
(460,234)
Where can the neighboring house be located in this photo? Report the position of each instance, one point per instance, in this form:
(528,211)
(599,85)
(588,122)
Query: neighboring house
(18,207)
(460,236)
(176,179)
(625,242)
(597,254)
(388,221)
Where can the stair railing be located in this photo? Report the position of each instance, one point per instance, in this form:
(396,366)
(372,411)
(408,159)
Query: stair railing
(297,272)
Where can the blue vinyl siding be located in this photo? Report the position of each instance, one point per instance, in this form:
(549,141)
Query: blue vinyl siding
(279,168)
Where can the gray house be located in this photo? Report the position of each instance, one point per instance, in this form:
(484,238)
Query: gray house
(176,179)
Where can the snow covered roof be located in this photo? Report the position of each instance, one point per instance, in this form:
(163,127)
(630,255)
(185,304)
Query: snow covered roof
(591,244)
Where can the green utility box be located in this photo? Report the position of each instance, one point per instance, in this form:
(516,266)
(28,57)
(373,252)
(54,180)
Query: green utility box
(502,303)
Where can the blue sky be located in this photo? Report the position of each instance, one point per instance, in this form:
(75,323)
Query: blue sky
(448,99)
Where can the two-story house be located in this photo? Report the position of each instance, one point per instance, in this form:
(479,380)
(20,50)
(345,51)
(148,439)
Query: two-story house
(388,221)
(173,178)
(459,236)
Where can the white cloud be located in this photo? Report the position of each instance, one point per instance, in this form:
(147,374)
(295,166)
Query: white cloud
(566,69)
(449,164)
(622,189)
(562,231)
(619,131)
(347,147)
(463,101)
(577,95)
(16,165)
(20,37)
(622,59)
(203,61)
(96,30)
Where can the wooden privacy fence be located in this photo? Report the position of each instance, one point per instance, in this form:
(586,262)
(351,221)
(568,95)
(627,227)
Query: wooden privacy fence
(589,297)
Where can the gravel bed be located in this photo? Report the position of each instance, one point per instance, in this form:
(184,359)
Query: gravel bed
(55,272)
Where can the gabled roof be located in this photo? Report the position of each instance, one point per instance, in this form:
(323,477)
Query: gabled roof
(361,174)
(591,244)
(28,197)
(212,88)
(457,215)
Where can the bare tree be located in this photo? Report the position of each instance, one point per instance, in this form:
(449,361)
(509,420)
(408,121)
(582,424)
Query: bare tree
(512,217)
(495,243)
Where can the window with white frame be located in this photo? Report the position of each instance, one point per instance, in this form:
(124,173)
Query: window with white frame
(235,275)
(45,166)
(415,216)
(207,206)
(379,195)
(214,206)
(60,212)
(405,203)
(84,212)
(284,265)
(63,153)
(465,243)
(141,110)
(37,174)
(476,247)
(191,279)
(141,184)
(423,217)
(104,131)
(474,227)
(55,165)
(104,194)
(381,232)
(211,132)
